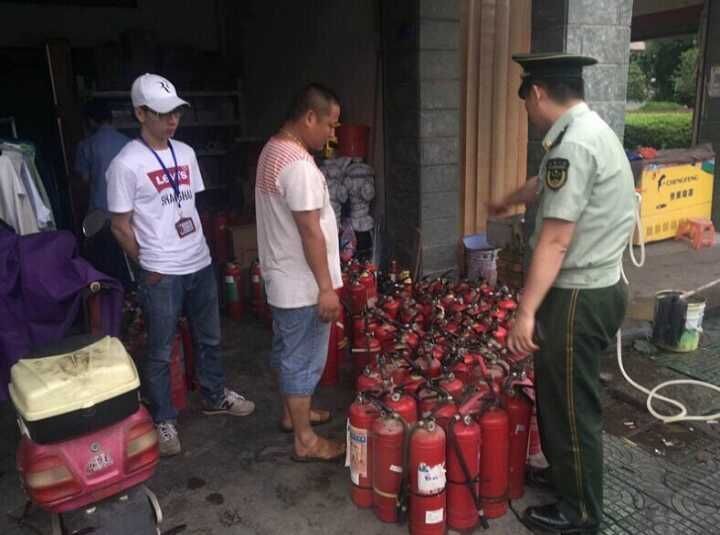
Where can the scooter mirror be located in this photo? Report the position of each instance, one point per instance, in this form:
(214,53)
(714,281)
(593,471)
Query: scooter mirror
(94,222)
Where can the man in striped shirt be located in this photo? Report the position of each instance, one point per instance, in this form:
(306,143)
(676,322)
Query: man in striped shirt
(300,263)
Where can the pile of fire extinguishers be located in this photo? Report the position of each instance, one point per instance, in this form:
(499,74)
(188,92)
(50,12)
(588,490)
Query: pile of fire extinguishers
(443,423)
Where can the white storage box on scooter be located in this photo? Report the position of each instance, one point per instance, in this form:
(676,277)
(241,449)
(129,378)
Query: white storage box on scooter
(74,387)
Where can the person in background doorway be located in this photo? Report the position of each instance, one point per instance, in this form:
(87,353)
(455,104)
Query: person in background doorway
(152,185)
(92,159)
(300,263)
(95,152)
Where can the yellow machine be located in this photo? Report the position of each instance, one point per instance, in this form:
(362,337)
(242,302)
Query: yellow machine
(672,193)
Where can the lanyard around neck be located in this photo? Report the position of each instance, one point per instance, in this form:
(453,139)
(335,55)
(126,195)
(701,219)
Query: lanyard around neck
(174,181)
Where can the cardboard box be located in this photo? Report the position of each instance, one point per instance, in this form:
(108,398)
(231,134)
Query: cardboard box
(244,243)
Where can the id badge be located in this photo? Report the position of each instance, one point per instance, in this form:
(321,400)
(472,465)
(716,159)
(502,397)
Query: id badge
(185,226)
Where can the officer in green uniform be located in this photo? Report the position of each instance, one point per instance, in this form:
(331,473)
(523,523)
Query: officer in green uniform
(573,301)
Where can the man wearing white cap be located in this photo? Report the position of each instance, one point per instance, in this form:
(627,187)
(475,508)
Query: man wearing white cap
(151,189)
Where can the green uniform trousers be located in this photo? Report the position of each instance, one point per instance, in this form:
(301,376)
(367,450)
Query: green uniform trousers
(575,326)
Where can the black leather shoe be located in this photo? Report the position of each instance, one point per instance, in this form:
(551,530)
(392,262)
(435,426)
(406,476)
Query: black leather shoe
(538,478)
(550,519)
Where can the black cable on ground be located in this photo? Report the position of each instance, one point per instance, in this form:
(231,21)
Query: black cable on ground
(520,518)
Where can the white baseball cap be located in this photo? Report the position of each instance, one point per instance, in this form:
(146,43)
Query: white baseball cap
(155,92)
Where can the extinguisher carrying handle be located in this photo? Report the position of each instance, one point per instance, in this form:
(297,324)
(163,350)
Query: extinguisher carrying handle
(476,403)
(469,480)
(374,398)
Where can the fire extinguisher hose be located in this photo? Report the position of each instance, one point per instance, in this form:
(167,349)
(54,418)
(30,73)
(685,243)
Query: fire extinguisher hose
(402,500)
(470,482)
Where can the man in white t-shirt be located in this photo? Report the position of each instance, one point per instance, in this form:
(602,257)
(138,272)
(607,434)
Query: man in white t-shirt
(151,188)
(300,263)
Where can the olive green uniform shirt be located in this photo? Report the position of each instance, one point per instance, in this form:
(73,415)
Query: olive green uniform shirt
(585,177)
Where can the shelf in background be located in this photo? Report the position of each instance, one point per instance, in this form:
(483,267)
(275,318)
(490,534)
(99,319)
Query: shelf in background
(124,125)
(182,94)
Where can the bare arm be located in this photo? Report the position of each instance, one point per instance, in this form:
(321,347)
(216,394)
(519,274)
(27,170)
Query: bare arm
(554,240)
(121,227)
(313,241)
(526,194)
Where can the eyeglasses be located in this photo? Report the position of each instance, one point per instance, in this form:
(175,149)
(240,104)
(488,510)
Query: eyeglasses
(177,113)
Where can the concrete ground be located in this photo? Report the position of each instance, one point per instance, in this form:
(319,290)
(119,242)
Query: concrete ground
(235,475)
(671,265)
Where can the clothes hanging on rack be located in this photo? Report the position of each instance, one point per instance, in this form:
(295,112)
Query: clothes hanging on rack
(22,158)
(15,206)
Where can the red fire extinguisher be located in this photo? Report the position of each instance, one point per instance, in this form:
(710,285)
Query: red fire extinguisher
(220,237)
(426,469)
(536,457)
(444,412)
(494,462)
(452,385)
(519,410)
(369,380)
(402,404)
(358,298)
(233,290)
(369,279)
(365,354)
(391,307)
(388,437)
(463,465)
(205,223)
(361,416)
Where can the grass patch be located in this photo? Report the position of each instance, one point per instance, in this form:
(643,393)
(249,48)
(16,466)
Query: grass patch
(667,130)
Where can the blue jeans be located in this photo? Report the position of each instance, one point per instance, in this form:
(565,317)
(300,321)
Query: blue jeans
(162,304)
(299,349)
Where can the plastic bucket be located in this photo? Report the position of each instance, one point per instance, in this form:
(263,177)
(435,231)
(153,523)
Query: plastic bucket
(480,258)
(678,323)
(353,140)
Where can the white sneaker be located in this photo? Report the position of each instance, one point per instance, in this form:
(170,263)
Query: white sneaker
(169,442)
(232,403)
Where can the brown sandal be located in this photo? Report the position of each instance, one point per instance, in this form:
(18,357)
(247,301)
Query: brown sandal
(325,451)
(319,420)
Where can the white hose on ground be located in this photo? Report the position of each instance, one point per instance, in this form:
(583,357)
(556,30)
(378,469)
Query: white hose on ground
(652,394)
(681,416)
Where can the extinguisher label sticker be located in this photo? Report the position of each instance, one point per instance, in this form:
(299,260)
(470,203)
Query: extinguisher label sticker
(358,452)
(431,479)
(434,517)
(395,468)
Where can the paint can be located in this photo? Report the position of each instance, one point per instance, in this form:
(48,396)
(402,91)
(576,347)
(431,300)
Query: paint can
(678,322)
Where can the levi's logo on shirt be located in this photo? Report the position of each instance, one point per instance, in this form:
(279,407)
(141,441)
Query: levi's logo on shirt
(161,182)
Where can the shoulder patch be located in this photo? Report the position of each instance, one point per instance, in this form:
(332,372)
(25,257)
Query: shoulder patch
(556,172)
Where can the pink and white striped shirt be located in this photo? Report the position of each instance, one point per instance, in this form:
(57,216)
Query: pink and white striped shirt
(288,181)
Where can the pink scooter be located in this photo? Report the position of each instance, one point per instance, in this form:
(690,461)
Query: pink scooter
(86,465)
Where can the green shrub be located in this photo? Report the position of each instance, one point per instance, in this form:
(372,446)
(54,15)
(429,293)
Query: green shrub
(659,130)
(655,106)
